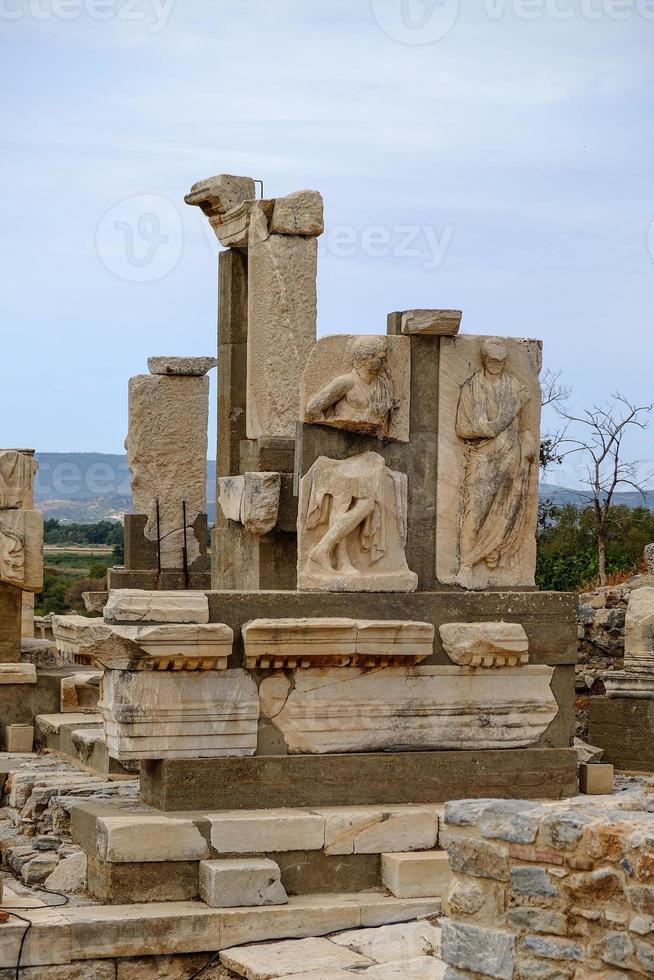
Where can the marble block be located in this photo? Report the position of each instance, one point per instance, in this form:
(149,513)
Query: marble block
(174,646)
(639,631)
(17,471)
(22,673)
(485,644)
(323,710)
(299,213)
(436,323)
(251,499)
(181,715)
(167,458)
(241,882)
(188,367)
(215,196)
(360,383)
(629,684)
(417,875)
(352,527)
(489,402)
(21,549)
(141,606)
(288,643)
(371,830)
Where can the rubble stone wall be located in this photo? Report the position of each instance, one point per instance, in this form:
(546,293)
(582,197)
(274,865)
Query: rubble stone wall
(560,891)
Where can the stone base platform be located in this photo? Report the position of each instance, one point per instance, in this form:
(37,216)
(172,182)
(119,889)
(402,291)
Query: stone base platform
(358,779)
(79,738)
(624,728)
(19,705)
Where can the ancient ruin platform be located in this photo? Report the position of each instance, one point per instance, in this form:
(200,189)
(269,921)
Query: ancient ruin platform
(623,728)
(357,779)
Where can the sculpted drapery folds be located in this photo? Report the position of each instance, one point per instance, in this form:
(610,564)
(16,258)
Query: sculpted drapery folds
(16,477)
(500,458)
(362,400)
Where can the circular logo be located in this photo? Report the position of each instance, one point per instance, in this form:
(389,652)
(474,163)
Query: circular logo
(415,21)
(140,239)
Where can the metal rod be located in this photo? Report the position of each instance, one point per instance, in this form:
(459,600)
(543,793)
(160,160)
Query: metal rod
(185,546)
(158,537)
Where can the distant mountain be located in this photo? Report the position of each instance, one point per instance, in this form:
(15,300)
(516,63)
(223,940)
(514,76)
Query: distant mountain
(89,487)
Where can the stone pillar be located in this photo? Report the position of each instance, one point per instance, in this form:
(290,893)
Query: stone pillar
(28,597)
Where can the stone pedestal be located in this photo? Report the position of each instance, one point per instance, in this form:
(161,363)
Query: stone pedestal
(11,611)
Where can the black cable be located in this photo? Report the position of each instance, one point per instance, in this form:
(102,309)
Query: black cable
(22,942)
(31,908)
(198,973)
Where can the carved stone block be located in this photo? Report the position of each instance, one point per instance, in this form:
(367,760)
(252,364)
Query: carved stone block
(352,527)
(485,644)
(433,323)
(17,472)
(360,383)
(217,195)
(639,631)
(299,213)
(409,708)
(251,499)
(140,606)
(488,452)
(21,549)
(282,643)
(186,367)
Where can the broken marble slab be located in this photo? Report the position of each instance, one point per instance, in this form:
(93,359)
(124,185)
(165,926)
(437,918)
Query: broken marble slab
(485,644)
(251,499)
(378,830)
(323,710)
(264,960)
(189,367)
(171,646)
(142,606)
(334,642)
(434,323)
(182,715)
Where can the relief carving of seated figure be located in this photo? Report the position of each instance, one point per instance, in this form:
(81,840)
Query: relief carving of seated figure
(361,400)
(12,556)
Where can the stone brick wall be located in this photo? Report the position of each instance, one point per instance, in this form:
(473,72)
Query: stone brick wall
(551,891)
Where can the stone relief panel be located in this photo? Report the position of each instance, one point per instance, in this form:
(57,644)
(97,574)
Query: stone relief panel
(488,445)
(21,549)
(352,527)
(17,472)
(360,383)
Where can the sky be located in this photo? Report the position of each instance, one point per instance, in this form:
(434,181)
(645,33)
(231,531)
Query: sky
(489,155)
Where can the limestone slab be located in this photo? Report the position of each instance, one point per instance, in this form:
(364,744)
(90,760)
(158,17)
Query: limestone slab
(335,642)
(261,962)
(175,715)
(141,606)
(266,831)
(129,838)
(299,213)
(189,367)
(167,458)
(417,875)
(241,882)
(369,830)
(281,329)
(386,944)
(436,323)
(22,673)
(489,402)
(352,527)
(21,549)
(361,383)
(485,644)
(401,708)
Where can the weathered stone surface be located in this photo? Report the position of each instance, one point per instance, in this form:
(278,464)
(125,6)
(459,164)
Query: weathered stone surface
(487,951)
(188,367)
(485,644)
(139,606)
(179,715)
(596,780)
(438,323)
(260,506)
(217,195)
(639,631)
(417,874)
(361,383)
(387,944)
(80,692)
(533,882)
(70,875)
(230,496)
(276,959)
(477,858)
(488,437)
(147,837)
(281,328)
(17,471)
(167,457)
(400,708)
(94,602)
(648,555)
(364,830)
(266,831)
(241,882)
(299,213)
(21,549)
(17,673)
(18,738)
(336,642)
(352,527)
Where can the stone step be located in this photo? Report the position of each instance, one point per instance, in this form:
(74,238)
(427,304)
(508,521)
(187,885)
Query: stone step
(240,882)
(71,934)
(79,737)
(415,875)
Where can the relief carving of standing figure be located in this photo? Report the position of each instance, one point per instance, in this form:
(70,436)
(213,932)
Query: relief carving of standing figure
(500,460)
(361,400)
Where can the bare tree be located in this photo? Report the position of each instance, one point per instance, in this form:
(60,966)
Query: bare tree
(555,396)
(600,437)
